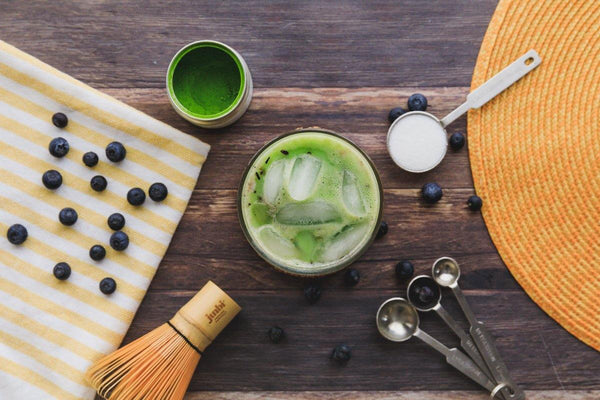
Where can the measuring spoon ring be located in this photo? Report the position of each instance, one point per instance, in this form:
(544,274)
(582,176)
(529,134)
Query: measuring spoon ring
(397,320)
(446,272)
(425,295)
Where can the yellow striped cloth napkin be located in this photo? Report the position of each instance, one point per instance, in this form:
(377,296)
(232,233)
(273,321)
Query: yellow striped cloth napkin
(50,330)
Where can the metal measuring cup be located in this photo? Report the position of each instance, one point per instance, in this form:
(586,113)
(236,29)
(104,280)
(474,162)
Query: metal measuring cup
(397,320)
(435,305)
(446,272)
(417,140)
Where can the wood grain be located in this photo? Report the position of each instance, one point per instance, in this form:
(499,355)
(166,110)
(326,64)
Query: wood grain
(352,43)
(360,114)
(539,353)
(338,65)
(416,232)
(420,395)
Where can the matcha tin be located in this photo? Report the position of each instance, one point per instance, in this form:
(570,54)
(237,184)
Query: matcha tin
(209,84)
(310,202)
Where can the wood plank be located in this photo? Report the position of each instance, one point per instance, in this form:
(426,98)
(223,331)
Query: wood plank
(310,44)
(540,354)
(359,114)
(209,242)
(404,395)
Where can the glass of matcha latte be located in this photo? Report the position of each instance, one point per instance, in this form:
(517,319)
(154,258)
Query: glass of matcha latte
(310,202)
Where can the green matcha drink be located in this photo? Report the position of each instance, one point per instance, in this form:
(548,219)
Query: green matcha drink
(209,84)
(310,202)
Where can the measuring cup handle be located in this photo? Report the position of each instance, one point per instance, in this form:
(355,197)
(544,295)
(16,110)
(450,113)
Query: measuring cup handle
(496,85)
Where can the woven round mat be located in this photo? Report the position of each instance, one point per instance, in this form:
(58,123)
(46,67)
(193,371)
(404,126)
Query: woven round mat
(535,156)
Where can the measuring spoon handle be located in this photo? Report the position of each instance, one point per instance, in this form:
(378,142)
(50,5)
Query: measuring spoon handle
(496,84)
(465,340)
(458,360)
(485,343)
(465,365)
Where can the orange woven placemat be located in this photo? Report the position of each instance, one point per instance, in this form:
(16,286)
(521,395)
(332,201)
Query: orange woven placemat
(535,156)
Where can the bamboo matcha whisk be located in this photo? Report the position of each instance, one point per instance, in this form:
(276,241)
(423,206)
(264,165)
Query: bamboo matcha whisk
(160,364)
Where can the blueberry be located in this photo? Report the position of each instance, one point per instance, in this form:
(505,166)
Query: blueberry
(395,113)
(108,285)
(431,192)
(383,230)
(351,277)
(98,183)
(67,216)
(97,252)
(404,270)
(115,151)
(62,271)
(312,293)
(424,292)
(475,203)
(16,234)
(52,179)
(341,353)
(456,141)
(158,191)
(116,221)
(60,120)
(119,240)
(58,147)
(276,334)
(417,102)
(90,159)
(136,196)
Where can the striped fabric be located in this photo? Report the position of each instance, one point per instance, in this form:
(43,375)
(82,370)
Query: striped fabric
(50,330)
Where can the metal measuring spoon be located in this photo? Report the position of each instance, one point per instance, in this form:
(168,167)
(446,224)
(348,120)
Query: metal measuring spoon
(417,140)
(397,320)
(446,272)
(434,304)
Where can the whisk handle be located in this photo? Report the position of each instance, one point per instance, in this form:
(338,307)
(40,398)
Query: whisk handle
(202,318)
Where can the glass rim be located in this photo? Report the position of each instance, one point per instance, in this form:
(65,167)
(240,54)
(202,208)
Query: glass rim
(290,270)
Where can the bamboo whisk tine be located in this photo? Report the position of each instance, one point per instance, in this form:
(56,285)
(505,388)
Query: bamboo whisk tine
(160,364)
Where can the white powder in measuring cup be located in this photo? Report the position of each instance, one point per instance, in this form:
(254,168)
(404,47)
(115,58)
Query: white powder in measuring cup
(417,142)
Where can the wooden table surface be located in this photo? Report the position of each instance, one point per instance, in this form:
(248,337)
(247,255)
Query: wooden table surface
(341,66)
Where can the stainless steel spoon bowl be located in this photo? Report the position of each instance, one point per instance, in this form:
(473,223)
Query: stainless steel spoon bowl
(445,271)
(397,320)
(412,294)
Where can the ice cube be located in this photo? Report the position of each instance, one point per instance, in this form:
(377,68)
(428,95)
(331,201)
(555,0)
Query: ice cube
(310,213)
(351,194)
(276,243)
(273,181)
(303,177)
(344,243)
